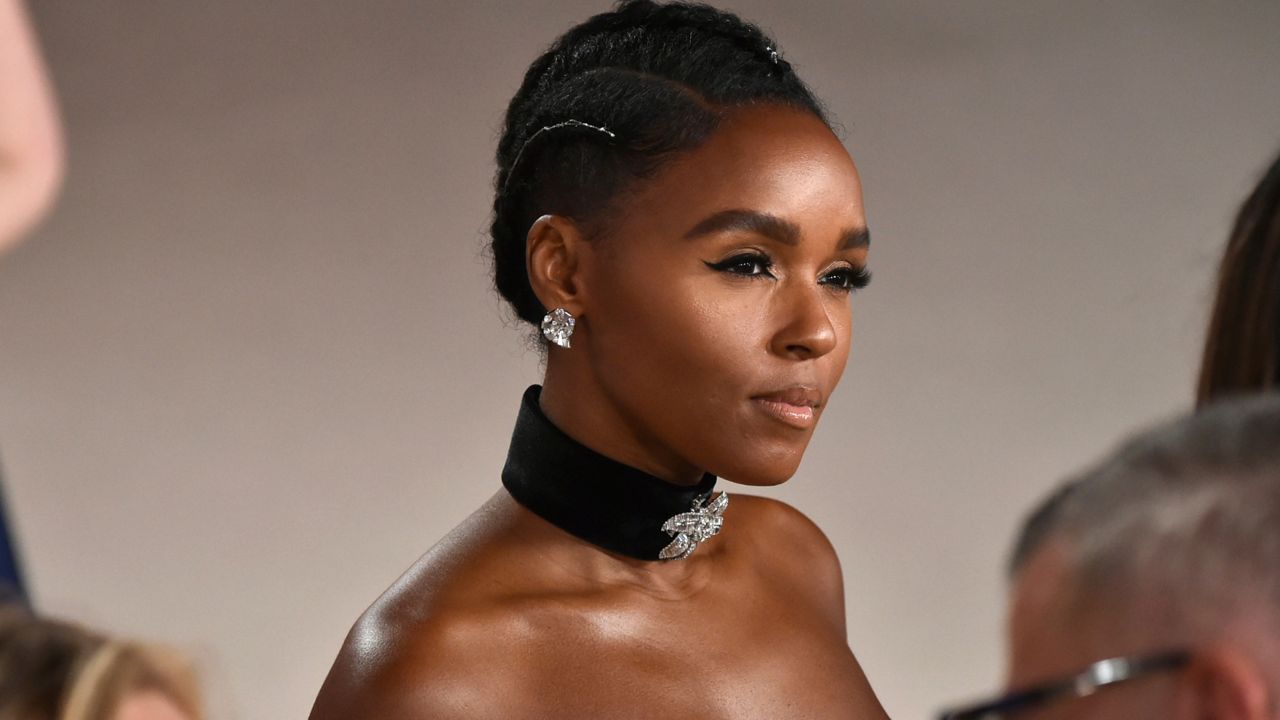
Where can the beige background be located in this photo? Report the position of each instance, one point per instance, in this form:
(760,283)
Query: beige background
(252,368)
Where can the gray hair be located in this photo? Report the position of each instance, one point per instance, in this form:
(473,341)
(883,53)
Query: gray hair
(1184,517)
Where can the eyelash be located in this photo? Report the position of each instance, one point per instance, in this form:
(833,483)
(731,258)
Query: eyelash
(758,265)
(741,260)
(852,278)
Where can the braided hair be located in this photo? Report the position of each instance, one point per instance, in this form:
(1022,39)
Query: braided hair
(612,100)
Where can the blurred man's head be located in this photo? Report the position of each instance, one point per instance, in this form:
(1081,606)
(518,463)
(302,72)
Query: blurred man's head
(1165,561)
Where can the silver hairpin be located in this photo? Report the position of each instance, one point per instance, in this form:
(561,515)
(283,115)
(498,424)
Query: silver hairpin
(773,54)
(571,123)
(548,128)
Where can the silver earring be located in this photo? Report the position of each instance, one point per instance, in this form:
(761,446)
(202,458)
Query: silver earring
(557,326)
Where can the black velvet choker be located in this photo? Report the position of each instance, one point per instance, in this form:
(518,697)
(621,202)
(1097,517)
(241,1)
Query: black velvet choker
(603,501)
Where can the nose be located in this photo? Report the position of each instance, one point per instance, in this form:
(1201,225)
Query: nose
(806,331)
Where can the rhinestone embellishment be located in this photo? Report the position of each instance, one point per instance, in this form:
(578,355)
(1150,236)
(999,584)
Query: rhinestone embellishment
(694,527)
(557,326)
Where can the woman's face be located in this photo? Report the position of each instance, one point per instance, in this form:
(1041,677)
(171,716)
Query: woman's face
(717,316)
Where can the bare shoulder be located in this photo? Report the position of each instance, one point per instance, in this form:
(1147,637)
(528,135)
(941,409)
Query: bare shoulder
(442,642)
(439,663)
(782,526)
(795,551)
(792,548)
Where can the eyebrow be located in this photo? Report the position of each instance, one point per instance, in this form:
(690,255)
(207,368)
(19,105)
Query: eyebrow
(772,227)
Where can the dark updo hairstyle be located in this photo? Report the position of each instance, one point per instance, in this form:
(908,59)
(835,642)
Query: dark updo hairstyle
(659,78)
(1242,350)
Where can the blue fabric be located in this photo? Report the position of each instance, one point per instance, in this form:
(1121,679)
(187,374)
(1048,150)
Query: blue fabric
(11,587)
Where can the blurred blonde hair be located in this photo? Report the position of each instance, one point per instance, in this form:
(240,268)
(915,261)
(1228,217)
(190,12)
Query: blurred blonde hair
(51,670)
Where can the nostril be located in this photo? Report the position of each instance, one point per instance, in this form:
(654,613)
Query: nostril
(801,352)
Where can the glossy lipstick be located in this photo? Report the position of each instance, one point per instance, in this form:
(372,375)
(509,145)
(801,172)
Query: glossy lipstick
(795,406)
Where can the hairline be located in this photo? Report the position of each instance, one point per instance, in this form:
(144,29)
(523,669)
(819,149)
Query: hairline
(1174,494)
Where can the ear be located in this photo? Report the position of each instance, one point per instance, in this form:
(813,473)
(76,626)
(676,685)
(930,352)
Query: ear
(553,250)
(1223,683)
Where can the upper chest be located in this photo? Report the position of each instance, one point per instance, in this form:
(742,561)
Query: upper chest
(717,657)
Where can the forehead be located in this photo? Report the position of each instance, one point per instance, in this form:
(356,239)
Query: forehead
(1051,632)
(773,159)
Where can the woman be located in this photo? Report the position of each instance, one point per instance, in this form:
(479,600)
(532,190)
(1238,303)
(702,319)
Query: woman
(51,670)
(675,213)
(1242,350)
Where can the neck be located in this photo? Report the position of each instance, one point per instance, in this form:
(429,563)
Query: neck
(579,406)
(610,504)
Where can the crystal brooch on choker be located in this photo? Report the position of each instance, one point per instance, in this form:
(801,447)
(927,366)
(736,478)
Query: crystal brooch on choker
(689,529)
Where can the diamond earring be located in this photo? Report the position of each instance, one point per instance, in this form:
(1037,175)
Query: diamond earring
(557,326)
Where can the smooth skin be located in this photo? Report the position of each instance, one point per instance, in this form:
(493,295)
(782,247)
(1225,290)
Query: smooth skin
(695,325)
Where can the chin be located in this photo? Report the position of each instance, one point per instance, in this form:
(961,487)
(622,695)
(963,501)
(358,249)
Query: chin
(757,481)
(761,471)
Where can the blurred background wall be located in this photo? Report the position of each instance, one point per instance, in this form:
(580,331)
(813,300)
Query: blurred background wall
(252,367)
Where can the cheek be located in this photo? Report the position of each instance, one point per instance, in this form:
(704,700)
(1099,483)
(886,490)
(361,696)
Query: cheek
(841,315)
(677,322)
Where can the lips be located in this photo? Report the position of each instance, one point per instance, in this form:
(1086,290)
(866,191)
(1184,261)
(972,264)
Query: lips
(795,406)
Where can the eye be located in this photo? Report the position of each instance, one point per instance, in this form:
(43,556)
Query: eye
(752,264)
(847,278)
